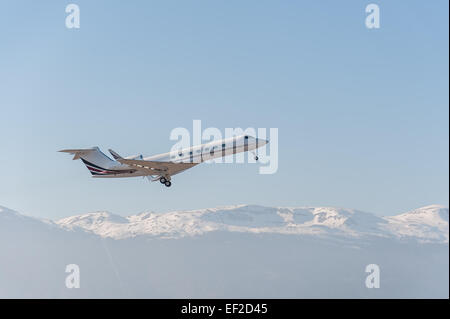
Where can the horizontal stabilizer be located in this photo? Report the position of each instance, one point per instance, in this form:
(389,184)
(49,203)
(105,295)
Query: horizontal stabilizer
(80,152)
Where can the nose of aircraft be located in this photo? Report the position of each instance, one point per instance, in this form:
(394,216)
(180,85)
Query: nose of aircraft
(262,142)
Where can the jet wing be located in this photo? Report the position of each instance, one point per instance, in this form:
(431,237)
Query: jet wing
(157,168)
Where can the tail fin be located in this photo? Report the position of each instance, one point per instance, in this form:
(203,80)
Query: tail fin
(94,159)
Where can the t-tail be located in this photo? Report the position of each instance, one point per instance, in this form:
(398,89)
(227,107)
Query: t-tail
(95,160)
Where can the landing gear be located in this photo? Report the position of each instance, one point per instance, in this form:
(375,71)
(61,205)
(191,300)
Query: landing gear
(166,181)
(255,156)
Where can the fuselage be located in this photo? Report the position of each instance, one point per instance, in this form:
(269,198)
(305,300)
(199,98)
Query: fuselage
(194,154)
(211,150)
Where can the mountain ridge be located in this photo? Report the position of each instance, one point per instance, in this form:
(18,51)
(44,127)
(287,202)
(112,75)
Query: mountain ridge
(424,224)
(243,251)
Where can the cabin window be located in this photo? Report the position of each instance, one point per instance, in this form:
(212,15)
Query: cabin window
(223,145)
(246,137)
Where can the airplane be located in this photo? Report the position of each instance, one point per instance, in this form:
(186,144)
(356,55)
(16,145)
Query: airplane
(162,167)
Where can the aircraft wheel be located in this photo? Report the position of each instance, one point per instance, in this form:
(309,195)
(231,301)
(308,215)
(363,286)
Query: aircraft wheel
(168,184)
(256,158)
(162,180)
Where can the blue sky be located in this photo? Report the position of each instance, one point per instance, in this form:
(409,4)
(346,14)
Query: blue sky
(362,114)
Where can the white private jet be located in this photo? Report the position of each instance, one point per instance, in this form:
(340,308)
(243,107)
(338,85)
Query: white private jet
(162,167)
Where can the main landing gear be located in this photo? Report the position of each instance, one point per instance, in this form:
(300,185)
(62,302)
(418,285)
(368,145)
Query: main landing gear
(165,181)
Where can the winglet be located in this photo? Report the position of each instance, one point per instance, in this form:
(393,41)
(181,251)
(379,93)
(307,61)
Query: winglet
(115,155)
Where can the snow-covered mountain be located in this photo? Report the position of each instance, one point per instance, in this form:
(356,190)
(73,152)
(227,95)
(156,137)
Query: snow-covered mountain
(10,220)
(428,224)
(242,251)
